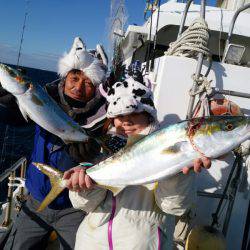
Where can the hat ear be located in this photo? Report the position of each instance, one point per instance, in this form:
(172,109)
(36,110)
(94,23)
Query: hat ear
(101,52)
(78,44)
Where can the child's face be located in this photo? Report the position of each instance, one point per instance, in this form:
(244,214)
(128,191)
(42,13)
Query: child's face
(131,124)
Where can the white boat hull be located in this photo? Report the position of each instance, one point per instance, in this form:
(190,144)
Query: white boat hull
(173,77)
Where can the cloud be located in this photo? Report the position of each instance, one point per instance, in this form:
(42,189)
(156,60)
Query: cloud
(40,60)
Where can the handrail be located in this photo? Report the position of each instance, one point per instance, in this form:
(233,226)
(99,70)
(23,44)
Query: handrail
(14,167)
(184,16)
(200,55)
(11,173)
(231,27)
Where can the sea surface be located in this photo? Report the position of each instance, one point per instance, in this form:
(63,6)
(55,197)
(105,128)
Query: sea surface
(16,142)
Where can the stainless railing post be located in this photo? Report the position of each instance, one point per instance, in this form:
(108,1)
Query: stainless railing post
(184,16)
(231,27)
(11,174)
(200,56)
(7,219)
(22,175)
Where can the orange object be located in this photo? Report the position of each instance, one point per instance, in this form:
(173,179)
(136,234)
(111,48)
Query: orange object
(224,107)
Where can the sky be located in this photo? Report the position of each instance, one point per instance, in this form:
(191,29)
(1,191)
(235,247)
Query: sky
(51,26)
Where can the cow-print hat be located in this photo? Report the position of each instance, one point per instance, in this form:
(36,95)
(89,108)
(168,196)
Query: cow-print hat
(128,97)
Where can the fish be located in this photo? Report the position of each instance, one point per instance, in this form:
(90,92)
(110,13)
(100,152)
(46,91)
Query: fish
(35,103)
(163,153)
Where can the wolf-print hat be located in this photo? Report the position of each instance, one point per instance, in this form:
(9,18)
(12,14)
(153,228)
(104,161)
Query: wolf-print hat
(79,58)
(128,97)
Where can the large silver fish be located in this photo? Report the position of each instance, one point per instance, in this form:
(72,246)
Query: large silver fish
(161,154)
(35,103)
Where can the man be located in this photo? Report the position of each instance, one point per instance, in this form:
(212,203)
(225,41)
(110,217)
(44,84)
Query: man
(78,94)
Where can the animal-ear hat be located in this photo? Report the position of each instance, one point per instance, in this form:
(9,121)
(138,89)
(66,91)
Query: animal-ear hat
(128,97)
(79,58)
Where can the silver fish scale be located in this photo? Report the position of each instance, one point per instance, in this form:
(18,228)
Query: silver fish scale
(34,101)
(163,154)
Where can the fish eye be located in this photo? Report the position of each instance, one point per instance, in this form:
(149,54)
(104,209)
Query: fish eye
(229,126)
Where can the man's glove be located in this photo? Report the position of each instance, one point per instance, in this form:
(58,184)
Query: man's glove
(84,151)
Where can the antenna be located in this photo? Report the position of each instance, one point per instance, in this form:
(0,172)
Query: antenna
(22,35)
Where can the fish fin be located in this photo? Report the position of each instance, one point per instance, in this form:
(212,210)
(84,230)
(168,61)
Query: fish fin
(176,148)
(156,185)
(23,112)
(114,190)
(54,192)
(133,139)
(51,172)
(56,180)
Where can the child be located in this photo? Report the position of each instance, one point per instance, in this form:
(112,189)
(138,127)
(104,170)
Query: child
(139,217)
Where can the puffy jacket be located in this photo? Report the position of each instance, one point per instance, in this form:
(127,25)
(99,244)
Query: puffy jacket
(51,150)
(139,217)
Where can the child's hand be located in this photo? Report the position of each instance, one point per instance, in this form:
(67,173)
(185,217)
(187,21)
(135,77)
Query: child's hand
(198,164)
(77,179)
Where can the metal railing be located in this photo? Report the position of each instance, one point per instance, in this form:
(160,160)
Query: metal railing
(200,55)
(11,174)
(231,28)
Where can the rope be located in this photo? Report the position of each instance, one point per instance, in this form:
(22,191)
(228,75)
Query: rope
(192,41)
(203,85)
(204,90)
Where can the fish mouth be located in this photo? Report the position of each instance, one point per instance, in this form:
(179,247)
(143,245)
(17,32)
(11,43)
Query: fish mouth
(15,74)
(7,70)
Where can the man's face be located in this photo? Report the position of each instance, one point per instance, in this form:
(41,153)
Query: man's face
(78,86)
(131,124)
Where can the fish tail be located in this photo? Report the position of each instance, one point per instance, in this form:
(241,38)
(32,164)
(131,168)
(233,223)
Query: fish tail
(56,180)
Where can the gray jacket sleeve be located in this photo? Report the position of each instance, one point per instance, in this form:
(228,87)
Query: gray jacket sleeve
(177,194)
(87,200)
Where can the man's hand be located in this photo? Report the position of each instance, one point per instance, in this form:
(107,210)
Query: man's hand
(77,179)
(84,151)
(198,164)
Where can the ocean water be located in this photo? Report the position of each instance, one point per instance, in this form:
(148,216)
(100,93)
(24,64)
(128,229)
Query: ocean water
(16,142)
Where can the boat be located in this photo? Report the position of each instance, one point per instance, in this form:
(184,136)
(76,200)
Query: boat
(178,74)
(222,68)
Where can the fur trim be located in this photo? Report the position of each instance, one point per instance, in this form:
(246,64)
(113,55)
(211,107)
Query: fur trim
(100,51)
(79,58)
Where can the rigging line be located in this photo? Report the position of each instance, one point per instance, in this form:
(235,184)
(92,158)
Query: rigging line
(155,36)
(22,35)
(149,43)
